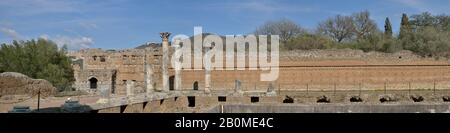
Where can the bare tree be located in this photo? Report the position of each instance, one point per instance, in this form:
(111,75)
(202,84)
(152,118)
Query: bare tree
(285,28)
(364,26)
(339,28)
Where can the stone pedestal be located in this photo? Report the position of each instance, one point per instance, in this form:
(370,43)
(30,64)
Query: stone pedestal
(271,90)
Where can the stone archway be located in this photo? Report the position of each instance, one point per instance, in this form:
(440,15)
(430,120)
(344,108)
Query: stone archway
(195,85)
(93,83)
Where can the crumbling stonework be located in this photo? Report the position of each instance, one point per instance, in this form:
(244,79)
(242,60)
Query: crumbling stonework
(12,83)
(312,70)
(111,69)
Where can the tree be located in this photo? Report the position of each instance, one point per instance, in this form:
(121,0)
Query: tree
(422,20)
(39,59)
(387,28)
(307,42)
(339,28)
(444,22)
(285,28)
(404,27)
(426,19)
(364,26)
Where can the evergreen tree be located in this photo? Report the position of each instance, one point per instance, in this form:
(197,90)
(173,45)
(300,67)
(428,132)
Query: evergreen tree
(404,27)
(387,28)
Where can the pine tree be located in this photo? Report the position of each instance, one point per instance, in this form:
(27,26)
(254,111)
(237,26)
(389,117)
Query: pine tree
(387,28)
(404,26)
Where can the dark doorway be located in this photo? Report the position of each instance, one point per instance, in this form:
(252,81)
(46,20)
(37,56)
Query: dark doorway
(222,98)
(172,83)
(191,101)
(356,99)
(102,59)
(195,86)
(122,108)
(113,82)
(254,99)
(93,83)
(288,100)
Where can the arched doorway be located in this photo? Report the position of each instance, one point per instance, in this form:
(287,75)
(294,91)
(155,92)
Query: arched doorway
(195,86)
(93,83)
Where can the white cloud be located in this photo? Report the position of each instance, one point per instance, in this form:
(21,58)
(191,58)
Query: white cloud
(73,43)
(11,33)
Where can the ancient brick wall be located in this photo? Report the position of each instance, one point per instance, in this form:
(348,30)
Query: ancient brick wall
(299,70)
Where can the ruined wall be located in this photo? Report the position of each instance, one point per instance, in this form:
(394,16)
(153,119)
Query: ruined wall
(114,68)
(299,70)
(12,83)
(341,69)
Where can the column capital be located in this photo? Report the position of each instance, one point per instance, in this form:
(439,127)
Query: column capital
(165,35)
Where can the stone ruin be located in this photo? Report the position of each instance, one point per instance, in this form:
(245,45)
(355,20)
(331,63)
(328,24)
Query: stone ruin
(12,83)
(148,69)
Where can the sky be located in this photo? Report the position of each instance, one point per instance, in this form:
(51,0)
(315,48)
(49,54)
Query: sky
(119,24)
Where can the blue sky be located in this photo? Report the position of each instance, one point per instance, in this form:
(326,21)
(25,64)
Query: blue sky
(116,24)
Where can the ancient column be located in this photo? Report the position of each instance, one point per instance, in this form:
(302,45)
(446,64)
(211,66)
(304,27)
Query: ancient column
(165,60)
(176,63)
(148,77)
(207,72)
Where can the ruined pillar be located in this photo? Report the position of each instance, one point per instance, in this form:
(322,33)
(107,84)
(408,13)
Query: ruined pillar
(271,90)
(207,72)
(176,63)
(130,86)
(148,77)
(207,81)
(237,87)
(165,60)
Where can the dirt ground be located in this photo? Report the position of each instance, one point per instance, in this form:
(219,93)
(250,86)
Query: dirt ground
(6,105)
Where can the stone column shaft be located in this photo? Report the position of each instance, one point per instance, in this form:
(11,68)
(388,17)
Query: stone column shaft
(177,63)
(165,60)
(207,72)
(148,78)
